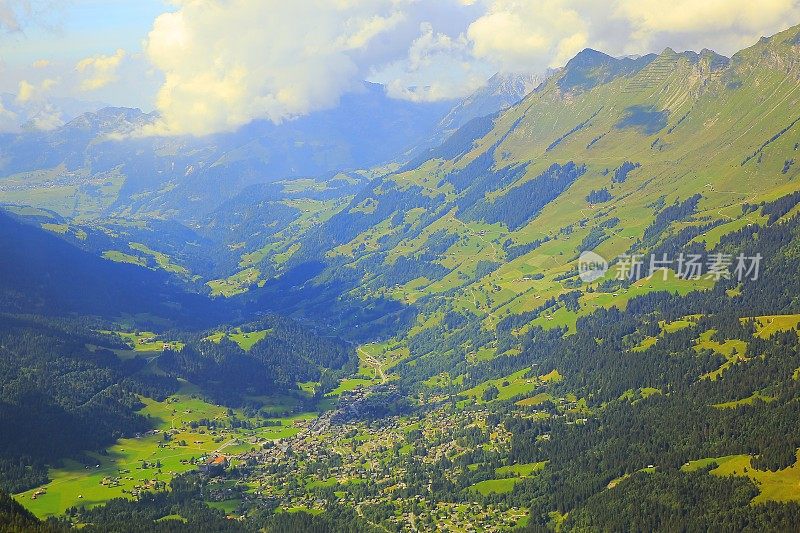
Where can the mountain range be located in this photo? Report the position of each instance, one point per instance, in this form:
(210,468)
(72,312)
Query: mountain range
(400,290)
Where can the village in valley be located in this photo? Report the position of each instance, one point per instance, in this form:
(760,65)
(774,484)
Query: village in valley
(444,462)
(384,469)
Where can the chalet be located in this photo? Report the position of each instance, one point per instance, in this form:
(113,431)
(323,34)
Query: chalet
(214,465)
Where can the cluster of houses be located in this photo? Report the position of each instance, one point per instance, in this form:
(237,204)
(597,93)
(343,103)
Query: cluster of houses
(336,448)
(332,449)
(214,465)
(149,340)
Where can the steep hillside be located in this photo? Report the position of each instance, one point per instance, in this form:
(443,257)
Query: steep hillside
(610,155)
(44,274)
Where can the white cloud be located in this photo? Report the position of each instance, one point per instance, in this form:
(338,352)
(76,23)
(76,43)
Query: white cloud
(693,16)
(363,30)
(227,63)
(100,70)
(529,36)
(47,118)
(9,17)
(438,67)
(724,25)
(429,44)
(28,91)
(25,92)
(214,65)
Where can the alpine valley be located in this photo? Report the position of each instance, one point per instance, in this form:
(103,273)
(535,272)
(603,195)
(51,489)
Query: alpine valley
(372,318)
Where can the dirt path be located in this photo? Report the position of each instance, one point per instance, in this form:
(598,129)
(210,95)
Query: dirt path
(374,363)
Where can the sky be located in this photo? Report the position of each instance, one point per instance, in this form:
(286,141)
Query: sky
(214,65)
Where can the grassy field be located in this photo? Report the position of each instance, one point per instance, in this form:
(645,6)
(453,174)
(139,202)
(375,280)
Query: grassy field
(523,470)
(780,486)
(508,387)
(535,400)
(227,506)
(122,257)
(744,401)
(145,341)
(163,261)
(351,384)
(148,461)
(65,229)
(238,283)
(377,359)
(495,486)
(245,339)
(767,326)
(511,475)
(732,350)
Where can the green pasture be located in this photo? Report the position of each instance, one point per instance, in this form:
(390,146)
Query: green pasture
(779,486)
(147,461)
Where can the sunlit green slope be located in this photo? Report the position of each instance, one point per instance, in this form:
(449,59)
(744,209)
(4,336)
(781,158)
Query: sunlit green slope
(492,222)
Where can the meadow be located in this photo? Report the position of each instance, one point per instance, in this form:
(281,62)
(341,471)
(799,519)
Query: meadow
(780,486)
(511,475)
(245,339)
(149,461)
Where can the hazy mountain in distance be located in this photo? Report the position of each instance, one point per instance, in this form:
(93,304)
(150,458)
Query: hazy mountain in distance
(501,92)
(185,176)
(50,113)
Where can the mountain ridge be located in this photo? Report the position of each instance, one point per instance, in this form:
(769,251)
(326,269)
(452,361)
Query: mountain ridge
(671,115)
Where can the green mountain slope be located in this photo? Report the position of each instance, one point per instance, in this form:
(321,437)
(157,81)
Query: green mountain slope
(599,158)
(494,388)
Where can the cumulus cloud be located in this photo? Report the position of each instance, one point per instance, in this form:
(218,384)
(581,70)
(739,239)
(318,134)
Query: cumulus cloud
(25,92)
(47,118)
(227,63)
(41,63)
(362,31)
(100,70)
(725,25)
(529,35)
(438,67)
(28,91)
(690,15)
(534,34)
